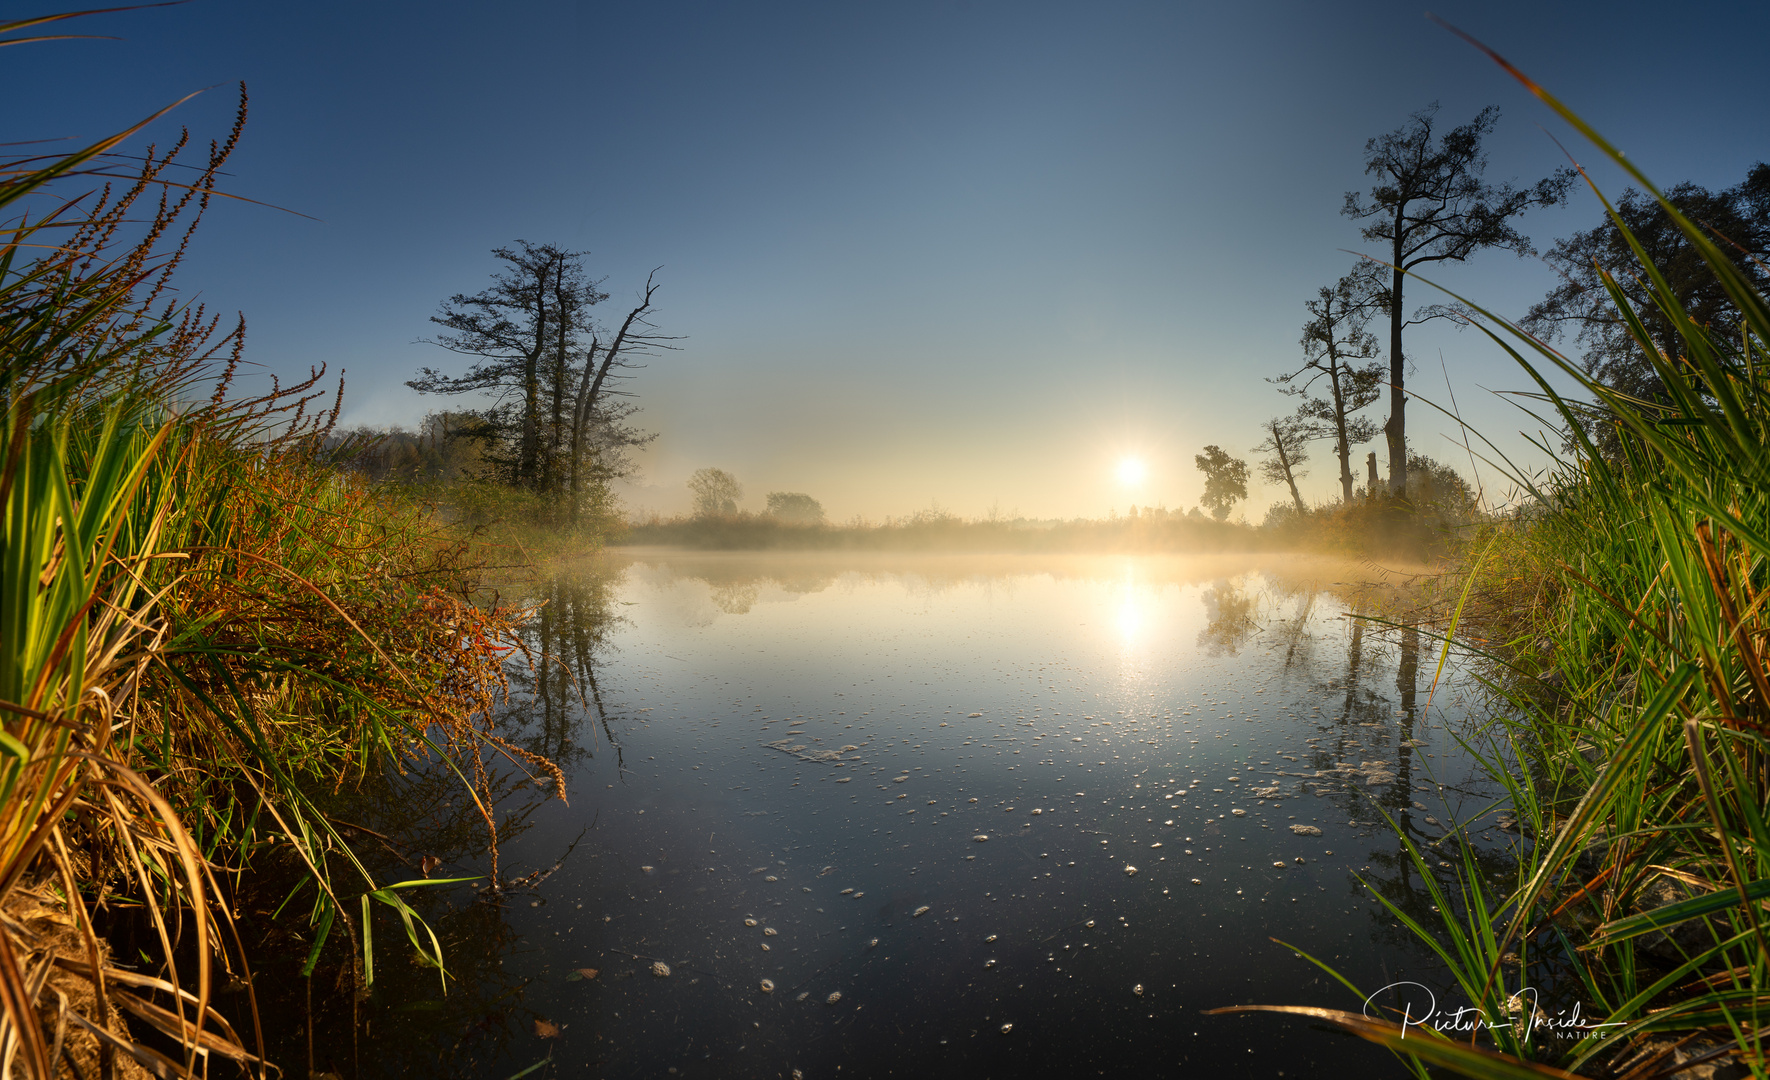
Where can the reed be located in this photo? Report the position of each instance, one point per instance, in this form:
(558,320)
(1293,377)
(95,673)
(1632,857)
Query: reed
(1628,633)
(203,624)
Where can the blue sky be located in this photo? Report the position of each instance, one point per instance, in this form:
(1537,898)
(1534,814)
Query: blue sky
(964,254)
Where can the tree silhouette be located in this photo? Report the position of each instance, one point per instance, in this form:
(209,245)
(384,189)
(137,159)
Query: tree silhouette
(1430,204)
(716,492)
(1226,480)
(1284,447)
(1738,216)
(1339,357)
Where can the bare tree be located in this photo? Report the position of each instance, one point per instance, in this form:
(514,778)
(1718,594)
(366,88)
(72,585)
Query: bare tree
(1430,204)
(1339,356)
(603,363)
(1284,447)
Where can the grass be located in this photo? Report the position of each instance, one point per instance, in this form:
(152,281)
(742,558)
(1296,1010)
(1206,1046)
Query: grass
(205,627)
(1625,620)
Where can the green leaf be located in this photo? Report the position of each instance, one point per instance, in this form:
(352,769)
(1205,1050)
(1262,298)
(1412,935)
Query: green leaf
(1672,914)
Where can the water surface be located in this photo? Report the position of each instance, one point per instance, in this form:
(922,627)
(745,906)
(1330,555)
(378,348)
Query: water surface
(970,816)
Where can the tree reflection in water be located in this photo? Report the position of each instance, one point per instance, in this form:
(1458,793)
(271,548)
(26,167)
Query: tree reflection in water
(1269,632)
(422,817)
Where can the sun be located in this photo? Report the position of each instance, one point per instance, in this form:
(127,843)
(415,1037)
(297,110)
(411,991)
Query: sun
(1132,471)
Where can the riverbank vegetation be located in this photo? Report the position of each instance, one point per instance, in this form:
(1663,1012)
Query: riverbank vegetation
(1622,615)
(207,627)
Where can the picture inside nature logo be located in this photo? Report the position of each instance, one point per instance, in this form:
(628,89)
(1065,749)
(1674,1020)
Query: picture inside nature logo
(1417,1007)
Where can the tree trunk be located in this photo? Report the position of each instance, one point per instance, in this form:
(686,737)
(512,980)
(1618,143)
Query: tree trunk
(1395,429)
(589,390)
(531,390)
(556,429)
(1342,443)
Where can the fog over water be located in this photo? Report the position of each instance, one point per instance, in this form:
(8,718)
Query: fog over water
(967,815)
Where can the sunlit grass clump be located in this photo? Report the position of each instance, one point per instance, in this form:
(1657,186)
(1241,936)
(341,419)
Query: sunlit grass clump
(202,625)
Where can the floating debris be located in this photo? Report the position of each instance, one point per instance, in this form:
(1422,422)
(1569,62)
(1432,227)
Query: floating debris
(1239,813)
(1298,860)
(873,944)
(767,986)
(1038,811)
(803,994)
(992,937)
(989,963)
(980,837)
(770,931)
(1157,844)
(660,969)
(973,715)
(1130,871)
(766,947)
(771,877)
(749,922)
(846,891)
(1138,989)
(835,996)
(900,779)
(919,912)
(1196,881)
(799,750)
(647,869)
(1089,923)
(1305,830)
(1279,864)
(858,895)
(1006,1028)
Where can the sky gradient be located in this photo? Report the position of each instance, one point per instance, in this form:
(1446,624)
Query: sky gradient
(958,254)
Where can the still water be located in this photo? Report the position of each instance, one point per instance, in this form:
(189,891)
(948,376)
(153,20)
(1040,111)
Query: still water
(940,816)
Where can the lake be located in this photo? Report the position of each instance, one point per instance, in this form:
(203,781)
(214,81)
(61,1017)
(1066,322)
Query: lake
(966,815)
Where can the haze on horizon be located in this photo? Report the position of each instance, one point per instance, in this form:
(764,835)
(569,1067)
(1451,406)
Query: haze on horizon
(963,255)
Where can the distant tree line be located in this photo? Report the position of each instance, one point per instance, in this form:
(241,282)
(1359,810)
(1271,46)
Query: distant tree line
(716,493)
